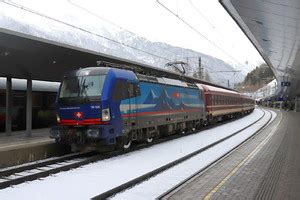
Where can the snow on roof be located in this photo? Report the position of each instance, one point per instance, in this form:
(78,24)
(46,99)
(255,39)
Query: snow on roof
(200,86)
(216,89)
(172,82)
(267,91)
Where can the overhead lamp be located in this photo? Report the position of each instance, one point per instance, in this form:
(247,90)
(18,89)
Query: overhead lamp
(258,22)
(4,53)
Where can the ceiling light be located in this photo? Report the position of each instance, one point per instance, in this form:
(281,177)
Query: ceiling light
(258,22)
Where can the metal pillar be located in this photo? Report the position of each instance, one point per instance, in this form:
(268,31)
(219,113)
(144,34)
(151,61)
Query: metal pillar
(29,107)
(8,109)
(297,104)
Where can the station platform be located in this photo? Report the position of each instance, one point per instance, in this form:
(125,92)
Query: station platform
(265,167)
(19,139)
(18,148)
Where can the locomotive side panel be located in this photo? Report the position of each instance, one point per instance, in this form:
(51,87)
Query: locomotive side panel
(161,104)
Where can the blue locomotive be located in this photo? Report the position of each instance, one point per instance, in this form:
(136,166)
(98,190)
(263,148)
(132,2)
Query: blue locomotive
(112,106)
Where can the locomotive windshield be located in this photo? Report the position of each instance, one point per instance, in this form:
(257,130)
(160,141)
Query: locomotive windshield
(82,87)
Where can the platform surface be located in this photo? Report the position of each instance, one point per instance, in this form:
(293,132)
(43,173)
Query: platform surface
(265,167)
(18,148)
(19,139)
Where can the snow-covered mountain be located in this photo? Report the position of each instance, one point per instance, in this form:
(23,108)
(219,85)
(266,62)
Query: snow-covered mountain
(213,66)
(113,41)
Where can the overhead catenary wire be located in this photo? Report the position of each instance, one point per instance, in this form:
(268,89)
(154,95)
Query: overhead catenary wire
(204,17)
(11,3)
(197,31)
(201,14)
(110,22)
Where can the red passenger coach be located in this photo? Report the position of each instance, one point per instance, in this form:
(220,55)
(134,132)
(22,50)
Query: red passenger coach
(222,103)
(248,103)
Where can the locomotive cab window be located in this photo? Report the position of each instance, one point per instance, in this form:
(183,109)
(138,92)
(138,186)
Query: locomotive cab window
(125,90)
(82,87)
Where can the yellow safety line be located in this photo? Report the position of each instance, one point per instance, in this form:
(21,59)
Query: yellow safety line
(249,157)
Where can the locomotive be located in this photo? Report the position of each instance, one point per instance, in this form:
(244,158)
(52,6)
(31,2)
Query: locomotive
(99,106)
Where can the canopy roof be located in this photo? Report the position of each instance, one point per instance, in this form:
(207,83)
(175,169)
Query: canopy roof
(273,28)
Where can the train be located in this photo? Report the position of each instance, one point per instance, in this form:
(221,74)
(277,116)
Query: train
(99,106)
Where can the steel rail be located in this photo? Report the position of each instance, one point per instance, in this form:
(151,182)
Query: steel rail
(49,161)
(197,173)
(13,175)
(165,167)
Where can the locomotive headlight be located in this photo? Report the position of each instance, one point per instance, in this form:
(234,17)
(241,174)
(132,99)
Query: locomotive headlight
(57,118)
(105,115)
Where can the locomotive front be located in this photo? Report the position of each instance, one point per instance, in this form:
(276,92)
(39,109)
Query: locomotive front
(85,112)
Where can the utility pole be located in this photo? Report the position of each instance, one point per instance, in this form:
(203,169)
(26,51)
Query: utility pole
(200,72)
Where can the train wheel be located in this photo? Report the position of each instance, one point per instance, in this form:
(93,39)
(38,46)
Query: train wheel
(123,143)
(57,140)
(149,139)
(60,141)
(127,143)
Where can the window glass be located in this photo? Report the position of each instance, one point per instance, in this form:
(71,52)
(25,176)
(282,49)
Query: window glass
(121,91)
(82,86)
(126,90)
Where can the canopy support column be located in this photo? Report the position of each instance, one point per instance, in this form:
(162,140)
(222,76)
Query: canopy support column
(297,104)
(29,107)
(8,108)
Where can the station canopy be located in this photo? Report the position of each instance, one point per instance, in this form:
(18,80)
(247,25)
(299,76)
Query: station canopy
(273,26)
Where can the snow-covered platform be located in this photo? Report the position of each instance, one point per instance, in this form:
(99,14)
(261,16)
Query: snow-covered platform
(265,167)
(18,148)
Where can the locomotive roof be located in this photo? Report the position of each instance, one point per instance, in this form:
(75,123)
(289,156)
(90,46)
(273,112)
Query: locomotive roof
(89,71)
(164,80)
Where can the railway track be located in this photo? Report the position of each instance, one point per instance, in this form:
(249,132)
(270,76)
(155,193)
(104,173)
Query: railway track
(31,171)
(165,194)
(112,192)
(40,169)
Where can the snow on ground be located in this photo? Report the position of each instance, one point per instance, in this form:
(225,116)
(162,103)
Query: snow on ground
(93,179)
(161,183)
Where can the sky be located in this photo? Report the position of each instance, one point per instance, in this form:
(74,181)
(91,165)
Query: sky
(205,26)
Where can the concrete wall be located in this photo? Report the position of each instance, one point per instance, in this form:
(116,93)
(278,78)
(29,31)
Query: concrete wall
(16,156)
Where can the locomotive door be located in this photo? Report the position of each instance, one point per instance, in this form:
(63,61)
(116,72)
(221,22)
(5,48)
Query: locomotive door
(127,91)
(132,105)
